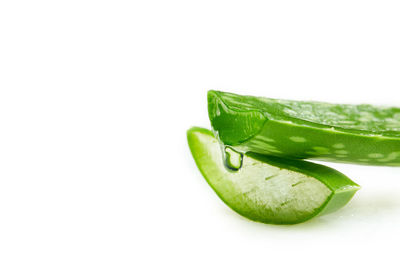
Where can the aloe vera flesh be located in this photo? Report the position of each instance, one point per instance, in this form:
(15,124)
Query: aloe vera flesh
(270,189)
(360,134)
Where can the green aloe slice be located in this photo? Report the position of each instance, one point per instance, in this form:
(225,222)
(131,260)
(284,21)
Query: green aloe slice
(361,134)
(269,189)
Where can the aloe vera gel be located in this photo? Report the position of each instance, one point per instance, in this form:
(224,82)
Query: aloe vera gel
(269,189)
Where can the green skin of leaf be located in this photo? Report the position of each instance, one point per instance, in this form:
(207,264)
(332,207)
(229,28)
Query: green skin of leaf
(326,132)
(341,188)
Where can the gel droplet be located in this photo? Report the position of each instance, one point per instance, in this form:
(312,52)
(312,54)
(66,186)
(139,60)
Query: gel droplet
(233,159)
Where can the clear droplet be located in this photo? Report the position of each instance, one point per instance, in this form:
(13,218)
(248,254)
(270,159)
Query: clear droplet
(233,159)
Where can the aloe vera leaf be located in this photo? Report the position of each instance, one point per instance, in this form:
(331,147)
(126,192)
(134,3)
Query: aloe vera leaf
(269,189)
(360,134)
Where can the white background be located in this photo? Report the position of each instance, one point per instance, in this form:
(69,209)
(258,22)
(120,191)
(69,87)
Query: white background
(95,100)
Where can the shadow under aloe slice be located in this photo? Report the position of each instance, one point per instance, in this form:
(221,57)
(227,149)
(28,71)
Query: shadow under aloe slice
(269,189)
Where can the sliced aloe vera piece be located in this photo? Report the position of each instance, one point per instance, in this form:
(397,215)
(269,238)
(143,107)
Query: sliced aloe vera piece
(361,134)
(269,189)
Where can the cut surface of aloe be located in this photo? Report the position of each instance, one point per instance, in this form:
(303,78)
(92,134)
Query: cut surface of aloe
(361,134)
(269,189)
